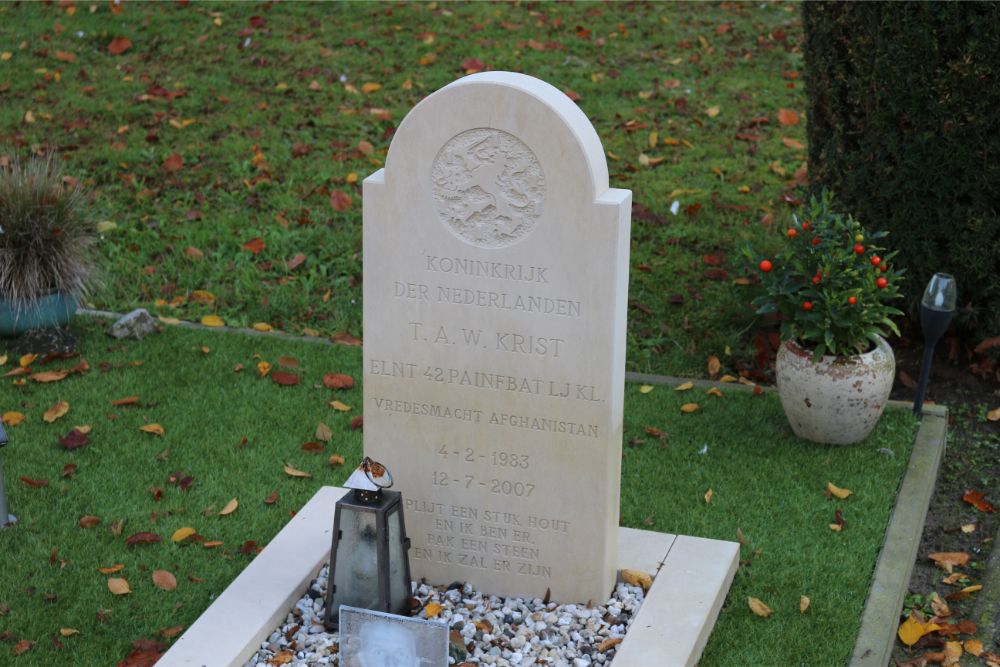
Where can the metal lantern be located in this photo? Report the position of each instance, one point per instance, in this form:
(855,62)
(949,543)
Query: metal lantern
(936,309)
(6,518)
(369,559)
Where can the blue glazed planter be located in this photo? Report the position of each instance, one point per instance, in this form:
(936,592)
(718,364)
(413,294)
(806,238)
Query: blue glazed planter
(50,311)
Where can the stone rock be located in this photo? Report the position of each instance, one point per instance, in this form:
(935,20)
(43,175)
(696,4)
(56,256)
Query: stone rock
(135,325)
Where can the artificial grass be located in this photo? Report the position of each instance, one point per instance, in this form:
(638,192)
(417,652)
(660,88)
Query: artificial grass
(270,108)
(766,484)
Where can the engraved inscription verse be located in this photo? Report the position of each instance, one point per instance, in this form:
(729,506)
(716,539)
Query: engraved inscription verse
(488,187)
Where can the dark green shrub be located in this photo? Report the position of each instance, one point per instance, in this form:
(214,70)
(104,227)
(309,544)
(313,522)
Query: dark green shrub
(904,126)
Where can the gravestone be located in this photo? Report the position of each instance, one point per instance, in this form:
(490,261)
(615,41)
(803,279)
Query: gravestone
(495,283)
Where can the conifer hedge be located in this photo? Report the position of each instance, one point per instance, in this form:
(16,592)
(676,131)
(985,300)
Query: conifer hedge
(904,126)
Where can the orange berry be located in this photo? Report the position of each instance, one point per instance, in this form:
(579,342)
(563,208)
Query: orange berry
(859,249)
(852,300)
(881,282)
(792,233)
(766,266)
(807,305)
(876,260)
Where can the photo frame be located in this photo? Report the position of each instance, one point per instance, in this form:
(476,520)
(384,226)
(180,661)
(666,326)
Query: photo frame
(371,638)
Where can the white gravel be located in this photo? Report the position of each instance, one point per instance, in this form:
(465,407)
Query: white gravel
(506,632)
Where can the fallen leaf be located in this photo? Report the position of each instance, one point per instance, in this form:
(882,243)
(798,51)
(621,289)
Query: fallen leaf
(939,606)
(714,366)
(212,544)
(968,527)
(75,439)
(336,460)
(48,376)
(117,567)
(56,411)
(609,643)
(713,391)
(142,538)
(23,646)
(182,534)
(12,418)
(340,407)
(312,447)
(128,400)
(432,609)
(787,117)
(689,407)
(954,578)
(295,472)
(837,491)
(171,632)
(154,429)
(262,326)
(793,144)
(119,45)
(338,381)
(803,604)
(952,653)
(212,321)
(708,496)
(947,560)
(89,521)
(973,647)
(255,245)
(684,387)
(229,508)
(712,112)
(164,580)
(263,368)
(34,483)
(68,470)
(637,578)
(977,500)
(174,162)
(356,422)
(271,498)
(118,586)
(758,607)
(645,389)
(340,200)
(284,378)
(323,432)
(68,632)
(344,338)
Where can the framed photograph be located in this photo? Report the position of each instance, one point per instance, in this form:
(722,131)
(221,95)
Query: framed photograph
(377,639)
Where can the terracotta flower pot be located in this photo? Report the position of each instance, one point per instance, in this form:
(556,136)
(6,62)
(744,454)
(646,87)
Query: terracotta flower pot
(837,400)
(49,311)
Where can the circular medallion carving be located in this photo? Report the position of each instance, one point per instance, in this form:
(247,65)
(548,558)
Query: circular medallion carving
(488,187)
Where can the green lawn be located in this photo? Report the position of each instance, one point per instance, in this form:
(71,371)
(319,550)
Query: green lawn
(226,123)
(232,433)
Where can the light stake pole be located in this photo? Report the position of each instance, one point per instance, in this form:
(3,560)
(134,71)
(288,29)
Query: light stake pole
(936,309)
(6,518)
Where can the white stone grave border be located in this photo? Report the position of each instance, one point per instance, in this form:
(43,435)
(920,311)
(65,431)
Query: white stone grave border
(691,578)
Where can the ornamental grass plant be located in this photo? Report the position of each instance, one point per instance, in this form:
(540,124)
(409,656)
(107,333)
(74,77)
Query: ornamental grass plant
(45,239)
(831,282)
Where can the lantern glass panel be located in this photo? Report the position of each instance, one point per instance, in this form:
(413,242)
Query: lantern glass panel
(356,568)
(399,575)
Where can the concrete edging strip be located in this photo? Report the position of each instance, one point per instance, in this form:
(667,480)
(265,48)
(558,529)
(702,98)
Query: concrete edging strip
(877,634)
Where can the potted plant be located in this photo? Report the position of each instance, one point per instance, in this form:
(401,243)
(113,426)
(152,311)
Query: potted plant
(831,284)
(45,245)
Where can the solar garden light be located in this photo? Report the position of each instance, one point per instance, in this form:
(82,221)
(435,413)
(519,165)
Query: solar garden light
(6,518)
(936,309)
(369,563)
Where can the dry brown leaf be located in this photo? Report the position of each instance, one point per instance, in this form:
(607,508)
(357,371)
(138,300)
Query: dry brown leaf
(708,496)
(637,578)
(914,627)
(939,606)
(968,527)
(947,560)
(952,653)
(49,376)
(714,391)
(728,378)
(323,432)
(340,407)
(837,491)
(684,387)
(645,389)
(263,368)
(295,472)
(609,643)
(164,580)
(212,544)
(56,411)
(432,609)
(836,527)
(118,586)
(154,429)
(128,400)
(952,579)
(117,567)
(89,521)
(714,366)
(213,321)
(804,604)
(758,607)
(12,418)
(23,646)
(973,647)
(336,460)
(993,415)
(229,508)
(689,407)
(68,632)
